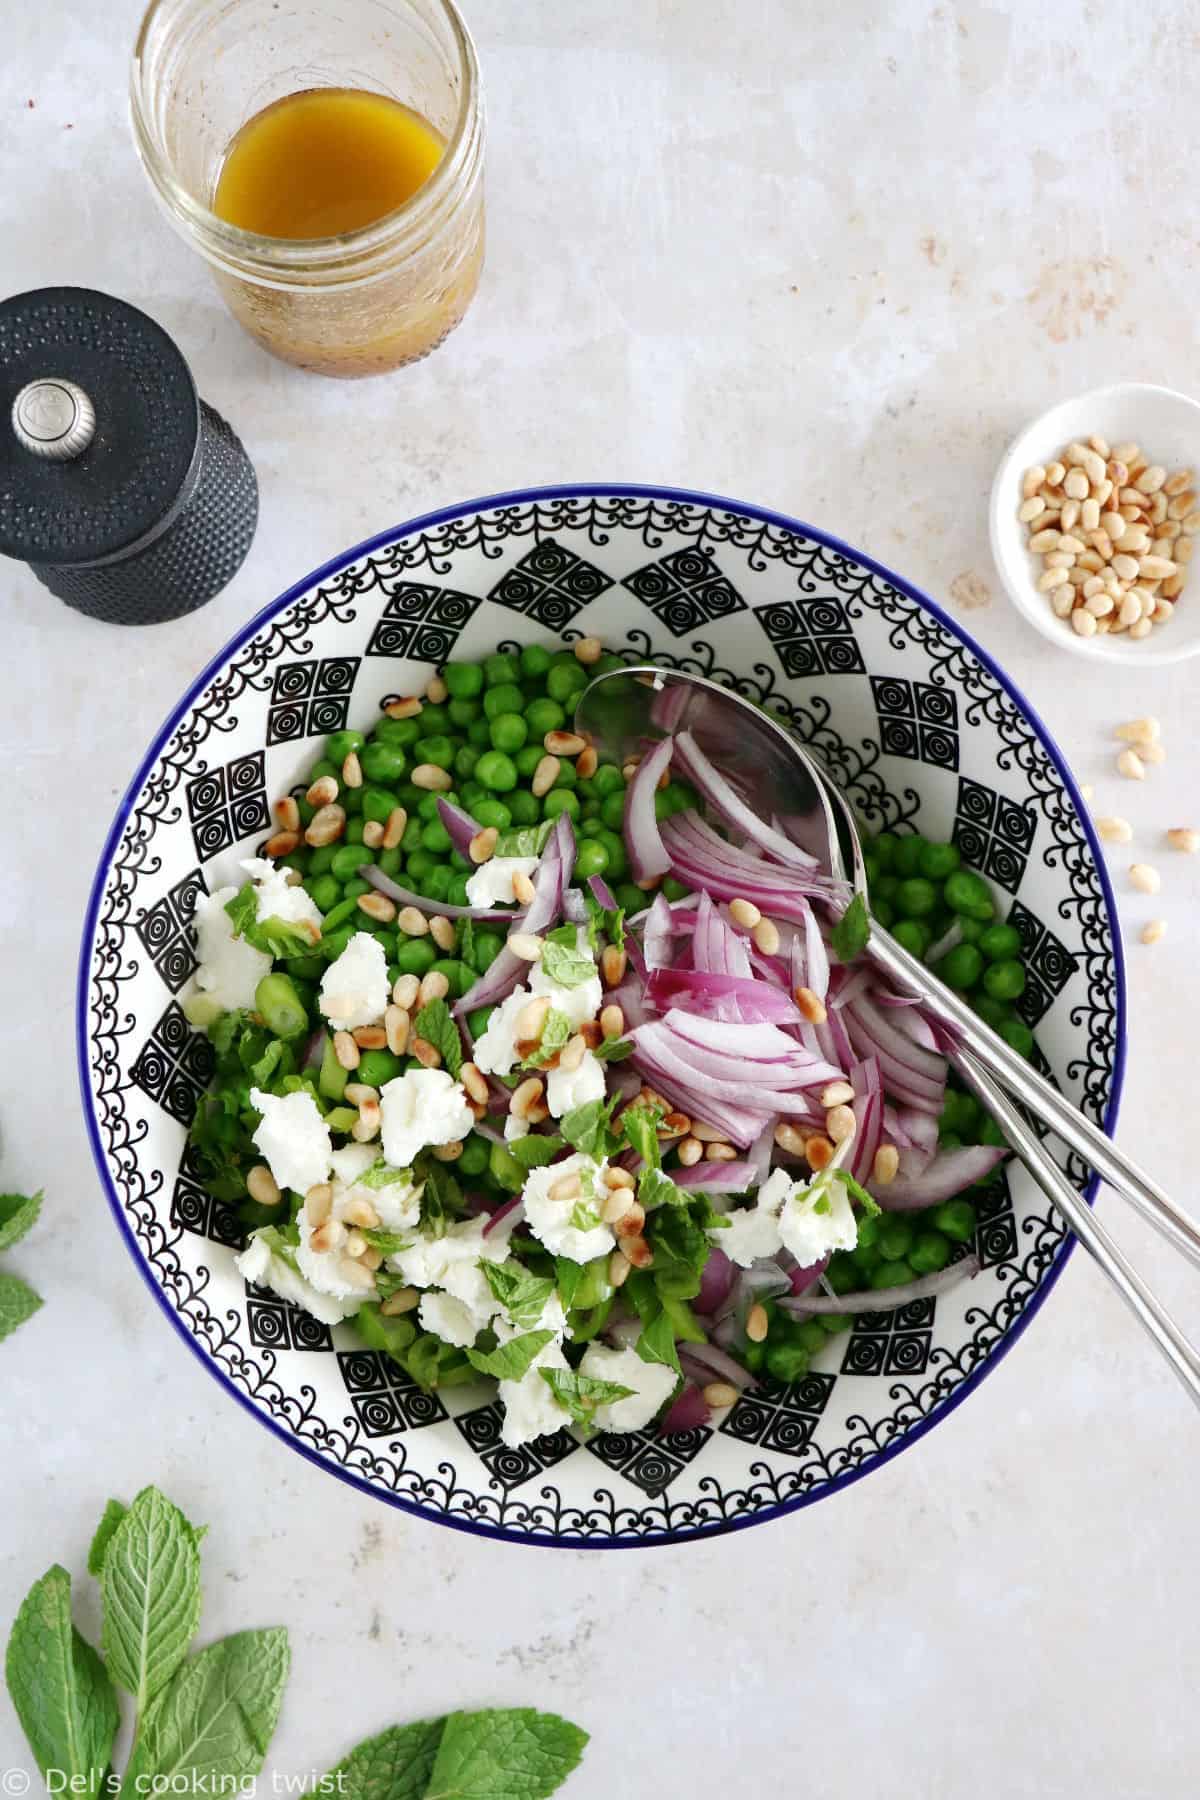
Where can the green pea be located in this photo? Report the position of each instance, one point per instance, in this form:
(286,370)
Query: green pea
(525,809)
(325,891)
(1000,943)
(913,934)
(535,660)
(930,1253)
(890,1273)
(950,1140)
(787,1363)
(990,1133)
(348,860)
(592,859)
(377,1066)
(497,771)
(501,668)
(884,847)
(916,898)
(674,890)
(458,974)
(527,760)
(544,715)
(992,1012)
(477,1021)
(461,712)
(320,861)
(415,956)
(841,1274)
(282,1009)
(870,869)
(608,780)
(379,804)
(866,1259)
(485,949)
(306,968)
(895,1240)
(474,1158)
(384,763)
(490,811)
(1005,980)
(479,733)
(613,811)
(938,861)
(438,750)
(463,679)
(1017,1035)
(972,929)
(560,800)
(883,912)
(753,1357)
(961,967)
(832,1323)
(427,807)
(334,942)
(325,768)
(907,857)
(565,682)
(506,698)
(354,831)
(969,894)
(955,1219)
(390,860)
(509,732)
(630,898)
(434,720)
(456,893)
(437,883)
(351,800)
(400,733)
(339,745)
(886,888)
(618,860)
(435,837)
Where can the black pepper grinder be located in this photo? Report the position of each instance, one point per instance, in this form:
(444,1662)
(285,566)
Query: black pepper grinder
(127,496)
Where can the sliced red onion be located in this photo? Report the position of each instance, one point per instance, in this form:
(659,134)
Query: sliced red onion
(848,984)
(549,885)
(657,934)
(314,1049)
(816,956)
(706,1362)
(461,826)
(643,840)
(910,1074)
(574,907)
(740,1125)
(624,1333)
(725,1073)
(884,1299)
(760,1154)
(699,992)
(694,864)
(865,1079)
(715,1282)
(512,1211)
(802,1279)
(372,873)
(602,894)
(733,809)
(948,941)
(920,1129)
(719,1177)
(669,705)
(687,1413)
(948,1174)
(762,1281)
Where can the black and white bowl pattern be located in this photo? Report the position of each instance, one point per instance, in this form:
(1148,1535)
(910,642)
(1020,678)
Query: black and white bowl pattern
(918,726)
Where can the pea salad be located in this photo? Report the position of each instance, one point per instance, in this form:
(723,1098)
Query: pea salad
(535,1069)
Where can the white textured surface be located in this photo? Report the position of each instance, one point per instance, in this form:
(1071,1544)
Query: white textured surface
(826,259)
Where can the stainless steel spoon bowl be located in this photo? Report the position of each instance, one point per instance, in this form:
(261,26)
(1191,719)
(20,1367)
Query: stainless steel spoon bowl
(625,710)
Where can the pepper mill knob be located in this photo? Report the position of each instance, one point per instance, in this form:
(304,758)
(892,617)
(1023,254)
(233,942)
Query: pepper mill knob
(54,418)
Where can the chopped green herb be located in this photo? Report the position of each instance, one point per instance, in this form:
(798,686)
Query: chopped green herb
(640,1123)
(534,1151)
(580,1394)
(563,961)
(556,1035)
(849,936)
(613,1050)
(18,1213)
(510,1361)
(279,938)
(435,1024)
(589,1128)
(381,1175)
(388,1243)
(522,1294)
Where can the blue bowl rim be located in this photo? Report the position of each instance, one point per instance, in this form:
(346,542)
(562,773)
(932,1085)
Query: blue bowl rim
(425,522)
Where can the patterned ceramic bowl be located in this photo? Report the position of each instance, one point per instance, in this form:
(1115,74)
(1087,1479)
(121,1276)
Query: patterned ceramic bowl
(914,721)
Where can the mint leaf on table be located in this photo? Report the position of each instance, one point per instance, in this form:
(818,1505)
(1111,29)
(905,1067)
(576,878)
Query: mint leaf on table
(580,1394)
(510,1361)
(435,1024)
(18,1212)
(589,1128)
(395,1765)
(511,1753)
(151,1587)
(557,1032)
(210,1727)
(562,959)
(113,1513)
(18,1302)
(60,1689)
(522,1294)
(849,936)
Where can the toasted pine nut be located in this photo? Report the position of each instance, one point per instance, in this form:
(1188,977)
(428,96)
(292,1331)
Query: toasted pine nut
(1145,879)
(789,1139)
(720,1153)
(377,906)
(412,921)
(572,1053)
(632,1219)
(564,743)
(525,1096)
(262,1186)
(434,986)
(757,1323)
(360,1212)
(525,944)
(405,991)
(448,1152)
(812,1008)
(1181,838)
(483,845)
(323,792)
(545,775)
(1076,484)
(373,834)
(744,912)
(690,1152)
(1153,753)
(531,1019)
(1151,479)
(361,1273)
(612,1021)
(629,768)
(818,1151)
(675,1124)
(589,650)
(407,707)
(356,1092)
(617,1177)
(396,1026)
(355,1244)
(766,936)
(326,824)
(707,1134)
(619,1202)
(431,778)
(638,1252)
(613,965)
(1114,830)
(371,1259)
(838,1093)
(840,1123)
(436,690)
(352,775)
(1130,764)
(370,1037)
(1139,731)
(719,1394)
(1032,480)
(427,1054)
(886,1164)
(522,888)
(586,763)
(345,1049)
(288,814)
(619,1267)
(328,1236)
(282,844)
(1030,509)
(404,1300)
(318,1203)
(1154,931)
(397,825)
(442,932)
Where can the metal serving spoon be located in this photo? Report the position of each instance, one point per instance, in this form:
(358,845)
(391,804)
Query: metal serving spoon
(624,709)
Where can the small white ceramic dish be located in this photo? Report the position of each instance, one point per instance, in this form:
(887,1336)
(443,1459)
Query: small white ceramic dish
(1167,426)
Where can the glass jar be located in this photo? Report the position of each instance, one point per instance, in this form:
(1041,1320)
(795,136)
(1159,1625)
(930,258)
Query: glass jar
(369,300)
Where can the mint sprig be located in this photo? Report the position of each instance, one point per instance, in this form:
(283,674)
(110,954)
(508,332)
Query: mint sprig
(18,1301)
(435,1024)
(849,936)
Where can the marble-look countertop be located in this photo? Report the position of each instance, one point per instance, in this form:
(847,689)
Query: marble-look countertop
(822,258)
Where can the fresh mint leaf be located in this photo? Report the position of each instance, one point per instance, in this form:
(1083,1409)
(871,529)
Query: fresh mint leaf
(510,1361)
(533,1151)
(437,1027)
(581,1394)
(465,950)
(511,1753)
(562,959)
(656,1189)
(151,1587)
(589,1128)
(640,1123)
(442,1200)
(584,1216)
(393,1337)
(527,840)
(18,1213)
(262,1071)
(210,1727)
(395,1765)
(609,920)
(679,1238)
(380,1175)
(18,1302)
(858,1192)
(225,1031)
(656,1343)
(849,936)
(613,1050)
(388,1243)
(557,1032)
(113,1513)
(568,1279)
(60,1689)
(277,937)
(243,908)
(433,1364)
(522,1294)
